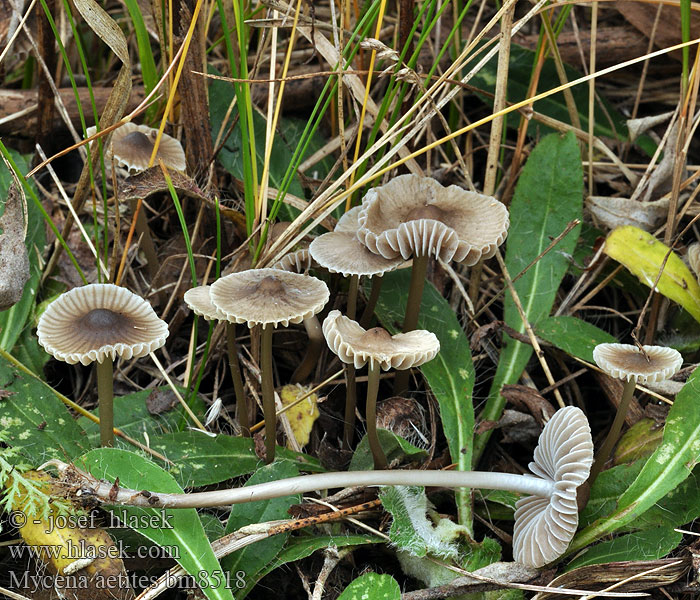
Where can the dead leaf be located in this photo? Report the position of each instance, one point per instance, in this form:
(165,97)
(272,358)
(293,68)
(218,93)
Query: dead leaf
(14,258)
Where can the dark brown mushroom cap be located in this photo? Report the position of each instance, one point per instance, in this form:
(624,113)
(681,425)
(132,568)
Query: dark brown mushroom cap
(625,361)
(340,251)
(413,215)
(544,527)
(132,145)
(100,320)
(199,300)
(355,345)
(268,297)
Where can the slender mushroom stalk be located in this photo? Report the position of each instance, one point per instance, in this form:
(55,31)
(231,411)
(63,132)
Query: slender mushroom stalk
(268,297)
(313,350)
(634,365)
(341,252)
(368,313)
(545,520)
(199,300)
(380,350)
(97,323)
(413,216)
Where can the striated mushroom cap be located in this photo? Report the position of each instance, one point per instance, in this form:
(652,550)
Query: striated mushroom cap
(199,300)
(413,215)
(298,261)
(625,361)
(132,145)
(355,345)
(100,320)
(544,527)
(268,297)
(341,252)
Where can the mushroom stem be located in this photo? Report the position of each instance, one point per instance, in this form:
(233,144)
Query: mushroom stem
(350,403)
(313,350)
(105,395)
(410,322)
(235,367)
(371,301)
(615,429)
(371,412)
(352,296)
(268,392)
(524,484)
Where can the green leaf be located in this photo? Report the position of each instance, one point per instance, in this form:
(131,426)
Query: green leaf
(14,320)
(607,489)
(649,544)
(664,471)
(179,529)
(253,559)
(548,196)
(638,442)
(450,375)
(394,446)
(372,587)
(35,421)
(643,255)
(572,335)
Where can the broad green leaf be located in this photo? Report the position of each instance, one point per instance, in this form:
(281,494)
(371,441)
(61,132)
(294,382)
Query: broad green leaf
(35,421)
(14,320)
(574,336)
(372,587)
(394,446)
(179,529)
(548,196)
(649,544)
(643,255)
(638,442)
(253,559)
(450,374)
(664,471)
(606,491)
(28,351)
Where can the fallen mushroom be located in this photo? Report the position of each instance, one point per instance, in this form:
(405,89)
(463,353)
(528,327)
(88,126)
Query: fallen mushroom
(545,520)
(98,323)
(634,365)
(357,346)
(413,216)
(268,297)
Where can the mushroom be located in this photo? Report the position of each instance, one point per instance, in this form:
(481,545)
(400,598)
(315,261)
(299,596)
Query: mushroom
(199,300)
(268,297)
(341,252)
(545,520)
(357,346)
(97,323)
(633,365)
(132,145)
(413,216)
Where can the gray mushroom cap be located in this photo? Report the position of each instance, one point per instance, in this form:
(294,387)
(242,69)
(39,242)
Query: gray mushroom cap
(544,527)
(625,361)
(355,345)
(97,321)
(340,251)
(413,215)
(268,297)
(199,300)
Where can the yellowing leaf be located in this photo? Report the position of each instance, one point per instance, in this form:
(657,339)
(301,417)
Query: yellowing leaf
(643,256)
(302,415)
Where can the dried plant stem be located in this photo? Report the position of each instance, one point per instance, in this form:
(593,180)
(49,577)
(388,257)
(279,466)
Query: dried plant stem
(268,392)
(614,433)
(371,412)
(235,367)
(410,322)
(105,394)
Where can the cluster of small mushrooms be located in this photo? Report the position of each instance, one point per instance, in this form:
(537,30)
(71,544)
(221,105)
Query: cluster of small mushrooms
(410,217)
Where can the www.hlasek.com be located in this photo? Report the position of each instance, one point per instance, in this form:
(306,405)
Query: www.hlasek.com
(84,550)
(203,579)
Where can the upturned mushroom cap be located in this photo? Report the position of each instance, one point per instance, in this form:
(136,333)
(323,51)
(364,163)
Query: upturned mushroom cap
(268,297)
(544,527)
(341,252)
(413,215)
(100,320)
(132,146)
(199,300)
(355,345)
(298,261)
(625,361)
